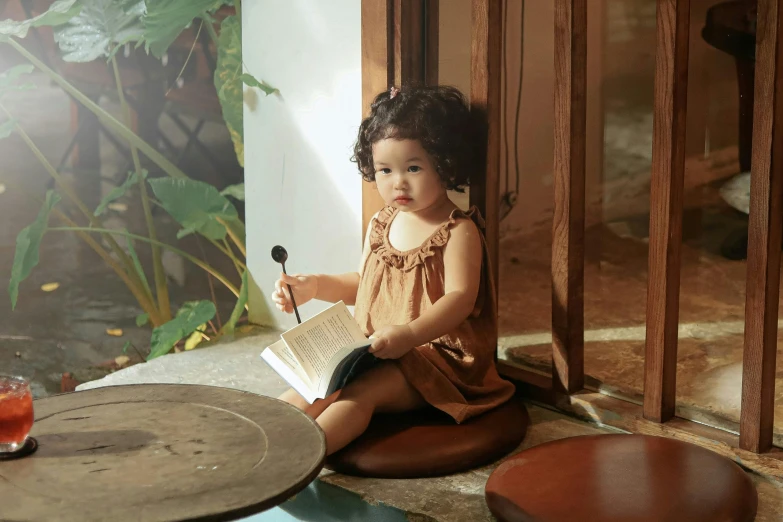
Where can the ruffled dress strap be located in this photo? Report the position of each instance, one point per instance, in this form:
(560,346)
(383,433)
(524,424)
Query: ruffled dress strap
(408,259)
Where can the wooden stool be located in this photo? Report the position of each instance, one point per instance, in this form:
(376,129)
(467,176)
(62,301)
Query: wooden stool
(624,478)
(429,443)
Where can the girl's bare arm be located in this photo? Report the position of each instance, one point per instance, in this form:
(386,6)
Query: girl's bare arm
(462,272)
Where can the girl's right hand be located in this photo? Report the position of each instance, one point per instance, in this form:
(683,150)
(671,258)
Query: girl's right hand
(304,287)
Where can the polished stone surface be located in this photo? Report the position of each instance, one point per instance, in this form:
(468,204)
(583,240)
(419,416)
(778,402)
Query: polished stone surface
(712,301)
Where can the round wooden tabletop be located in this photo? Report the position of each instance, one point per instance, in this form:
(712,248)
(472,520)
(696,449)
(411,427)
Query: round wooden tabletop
(161,452)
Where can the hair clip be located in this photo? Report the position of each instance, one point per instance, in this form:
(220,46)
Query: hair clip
(393,92)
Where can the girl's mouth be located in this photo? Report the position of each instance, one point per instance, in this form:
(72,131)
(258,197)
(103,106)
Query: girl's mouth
(402,200)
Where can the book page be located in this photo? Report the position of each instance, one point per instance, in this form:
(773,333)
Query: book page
(293,375)
(286,356)
(316,340)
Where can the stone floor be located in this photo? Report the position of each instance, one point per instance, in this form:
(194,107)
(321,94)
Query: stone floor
(712,299)
(454,498)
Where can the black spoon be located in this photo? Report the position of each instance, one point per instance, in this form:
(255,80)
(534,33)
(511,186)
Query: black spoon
(280,255)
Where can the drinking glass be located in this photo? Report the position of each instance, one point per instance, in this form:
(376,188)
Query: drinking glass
(16,412)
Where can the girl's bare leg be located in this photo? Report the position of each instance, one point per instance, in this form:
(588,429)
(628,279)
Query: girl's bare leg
(294,399)
(313,410)
(381,389)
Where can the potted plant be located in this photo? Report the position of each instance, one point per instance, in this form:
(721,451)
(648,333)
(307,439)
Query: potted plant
(97,29)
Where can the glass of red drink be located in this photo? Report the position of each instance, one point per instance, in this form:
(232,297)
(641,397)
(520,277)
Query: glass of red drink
(16,413)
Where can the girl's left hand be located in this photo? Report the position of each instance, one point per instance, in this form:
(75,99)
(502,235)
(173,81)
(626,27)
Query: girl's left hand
(392,342)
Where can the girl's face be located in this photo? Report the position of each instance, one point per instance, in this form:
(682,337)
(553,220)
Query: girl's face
(405,175)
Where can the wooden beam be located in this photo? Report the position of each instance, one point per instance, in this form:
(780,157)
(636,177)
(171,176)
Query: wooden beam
(531,385)
(608,411)
(485,63)
(666,188)
(764,235)
(431,41)
(569,187)
(409,31)
(395,35)
(377,76)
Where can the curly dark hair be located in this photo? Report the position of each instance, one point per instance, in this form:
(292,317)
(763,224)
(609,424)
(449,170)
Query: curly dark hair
(438,117)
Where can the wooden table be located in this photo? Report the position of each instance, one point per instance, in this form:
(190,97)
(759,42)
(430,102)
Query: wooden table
(160,452)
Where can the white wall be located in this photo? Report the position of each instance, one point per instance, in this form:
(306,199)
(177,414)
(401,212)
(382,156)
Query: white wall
(302,191)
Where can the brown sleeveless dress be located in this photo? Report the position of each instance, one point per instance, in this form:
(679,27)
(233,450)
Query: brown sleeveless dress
(455,373)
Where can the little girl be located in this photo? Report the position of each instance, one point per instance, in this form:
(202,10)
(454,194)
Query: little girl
(423,290)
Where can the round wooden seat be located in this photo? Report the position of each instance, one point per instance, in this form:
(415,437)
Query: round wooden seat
(428,443)
(624,478)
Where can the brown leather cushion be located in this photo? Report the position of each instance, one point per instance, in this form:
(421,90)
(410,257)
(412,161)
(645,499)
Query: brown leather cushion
(428,443)
(620,478)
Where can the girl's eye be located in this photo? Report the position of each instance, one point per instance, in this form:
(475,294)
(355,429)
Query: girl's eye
(385,171)
(414,168)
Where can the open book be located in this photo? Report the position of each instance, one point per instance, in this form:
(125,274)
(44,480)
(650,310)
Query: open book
(319,356)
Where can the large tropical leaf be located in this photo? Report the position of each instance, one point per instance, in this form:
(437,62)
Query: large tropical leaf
(196,205)
(251,81)
(166,19)
(99,27)
(58,13)
(235,191)
(118,192)
(188,319)
(8,79)
(27,244)
(7,127)
(228,82)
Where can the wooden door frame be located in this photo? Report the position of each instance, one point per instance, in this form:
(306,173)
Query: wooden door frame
(399,47)
(394,52)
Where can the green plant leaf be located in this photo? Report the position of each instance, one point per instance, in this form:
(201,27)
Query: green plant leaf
(195,338)
(235,191)
(12,74)
(237,233)
(188,319)
(251,81)
(137,265)
(58,13)
(166,19)
(195,205)
(228,83)
(6,128)
(100,25)
(228,328)
(118,192)
(105,117)
(8,79)
(27,244)
(142,319)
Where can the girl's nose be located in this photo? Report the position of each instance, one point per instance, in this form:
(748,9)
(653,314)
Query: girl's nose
(399,181)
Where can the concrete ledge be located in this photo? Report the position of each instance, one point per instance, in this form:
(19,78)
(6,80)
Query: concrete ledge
(234,364)
(237,365)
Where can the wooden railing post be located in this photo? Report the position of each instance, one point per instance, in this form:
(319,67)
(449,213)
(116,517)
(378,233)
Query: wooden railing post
(399,47)
(666,186)
(486,49)
(764,235)
(377,75)
(569,187)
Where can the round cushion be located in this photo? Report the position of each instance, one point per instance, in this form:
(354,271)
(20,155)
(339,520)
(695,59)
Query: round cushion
(428,443)
(620,478)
